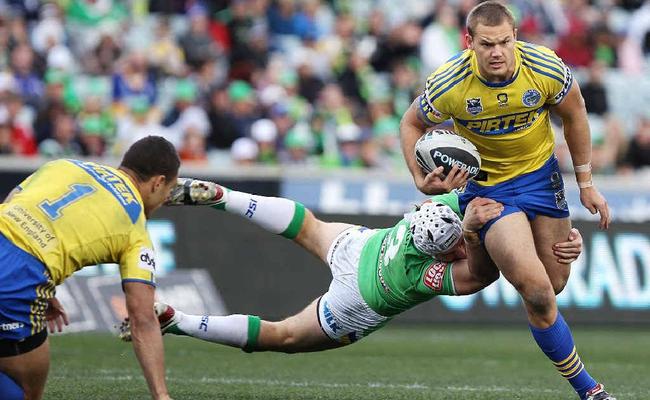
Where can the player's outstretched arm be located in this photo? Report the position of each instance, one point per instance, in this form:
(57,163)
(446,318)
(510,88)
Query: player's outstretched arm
(477,270)
(146,337)
(576,131)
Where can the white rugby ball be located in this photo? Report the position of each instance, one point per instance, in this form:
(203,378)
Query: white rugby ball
(446,148)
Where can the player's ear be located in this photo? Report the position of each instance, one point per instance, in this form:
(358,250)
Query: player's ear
(469,41)
(158,182)
(514,32)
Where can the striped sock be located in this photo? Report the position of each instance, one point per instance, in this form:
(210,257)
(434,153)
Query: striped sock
(275,214)
(556,342)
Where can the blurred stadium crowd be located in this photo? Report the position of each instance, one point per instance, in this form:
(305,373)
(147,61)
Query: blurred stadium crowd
(298,82)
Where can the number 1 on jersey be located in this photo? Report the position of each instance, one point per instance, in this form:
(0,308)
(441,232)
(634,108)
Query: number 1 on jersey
(76,192)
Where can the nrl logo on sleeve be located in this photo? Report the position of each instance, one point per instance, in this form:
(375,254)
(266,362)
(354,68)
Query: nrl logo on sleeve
(147,260)
(474,106)
(531,97)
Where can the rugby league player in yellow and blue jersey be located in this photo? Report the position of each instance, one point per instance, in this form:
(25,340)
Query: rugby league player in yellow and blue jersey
(67,215)
(499,93)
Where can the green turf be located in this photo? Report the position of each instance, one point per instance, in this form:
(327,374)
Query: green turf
(433,362)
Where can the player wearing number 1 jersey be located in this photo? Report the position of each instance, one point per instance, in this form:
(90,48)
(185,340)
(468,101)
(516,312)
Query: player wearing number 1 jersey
(65,216)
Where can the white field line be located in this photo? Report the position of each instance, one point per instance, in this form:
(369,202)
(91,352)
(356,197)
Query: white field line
(113,375)
(108,375)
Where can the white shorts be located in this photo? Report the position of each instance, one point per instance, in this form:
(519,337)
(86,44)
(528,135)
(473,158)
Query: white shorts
(342,313)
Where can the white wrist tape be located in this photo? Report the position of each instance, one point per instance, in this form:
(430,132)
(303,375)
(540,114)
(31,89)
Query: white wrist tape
(582,168)
(585,184)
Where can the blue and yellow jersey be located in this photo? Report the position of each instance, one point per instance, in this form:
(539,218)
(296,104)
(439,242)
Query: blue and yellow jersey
(70,214)
(507,121)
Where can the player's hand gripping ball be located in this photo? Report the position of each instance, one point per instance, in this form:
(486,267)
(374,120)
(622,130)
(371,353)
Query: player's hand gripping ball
(445,148)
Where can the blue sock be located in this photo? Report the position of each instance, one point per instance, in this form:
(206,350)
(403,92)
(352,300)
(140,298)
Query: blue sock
(556,342)
(9,389)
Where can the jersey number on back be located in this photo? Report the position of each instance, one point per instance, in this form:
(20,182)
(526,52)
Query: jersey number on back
(53,207)
(393,244)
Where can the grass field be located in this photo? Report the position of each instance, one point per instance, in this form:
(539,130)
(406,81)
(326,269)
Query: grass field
(449,362)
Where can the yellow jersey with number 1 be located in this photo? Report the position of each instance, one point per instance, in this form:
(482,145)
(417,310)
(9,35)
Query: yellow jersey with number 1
(508,121)
(70,214)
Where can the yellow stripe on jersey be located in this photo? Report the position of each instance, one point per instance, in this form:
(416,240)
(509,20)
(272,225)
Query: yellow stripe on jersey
(70,214)
(507,121)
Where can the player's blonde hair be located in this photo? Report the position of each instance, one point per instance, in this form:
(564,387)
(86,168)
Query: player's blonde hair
(489,13)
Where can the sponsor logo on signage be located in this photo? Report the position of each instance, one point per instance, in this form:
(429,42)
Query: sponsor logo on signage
(434,275)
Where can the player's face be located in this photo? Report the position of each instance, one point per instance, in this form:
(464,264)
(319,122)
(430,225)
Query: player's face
(494,47)
(458,252)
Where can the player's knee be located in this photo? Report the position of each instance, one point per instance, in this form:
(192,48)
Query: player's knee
(538,293)
(540,298)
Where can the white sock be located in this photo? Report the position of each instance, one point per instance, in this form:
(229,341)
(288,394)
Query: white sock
(275,214)
(231,330)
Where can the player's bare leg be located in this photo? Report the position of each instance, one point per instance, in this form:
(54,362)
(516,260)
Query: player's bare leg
(548,231)
(510,244)
(296,334)
(317,236)
(29,370)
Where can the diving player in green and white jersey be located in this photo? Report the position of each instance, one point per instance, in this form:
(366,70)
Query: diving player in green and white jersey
(376,273)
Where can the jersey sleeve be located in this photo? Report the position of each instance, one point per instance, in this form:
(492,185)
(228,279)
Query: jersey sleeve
(428,109)
(556,78)
(437,100)
(437,279)
(138,262)
(22,185)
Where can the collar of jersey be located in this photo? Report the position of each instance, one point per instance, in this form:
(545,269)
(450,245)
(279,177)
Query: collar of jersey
(497,84)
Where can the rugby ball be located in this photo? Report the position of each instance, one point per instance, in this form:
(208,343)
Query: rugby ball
(445,148)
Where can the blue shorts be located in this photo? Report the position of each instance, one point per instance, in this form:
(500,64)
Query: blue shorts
(540,192)
(25,287)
